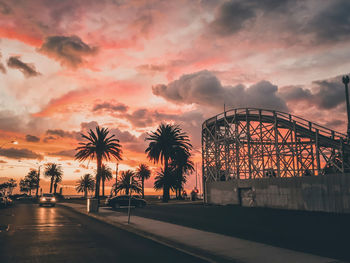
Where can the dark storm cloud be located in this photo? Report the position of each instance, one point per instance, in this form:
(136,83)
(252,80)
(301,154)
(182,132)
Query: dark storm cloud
(231,17)
(63,134)
(64,153)
(204,88)
(118,107)
(13,153)
(5,9)
(234,15)
(329,22)
(27,69)
(32,138)
(324,94)
(68,50)
(329,93)
(332,23)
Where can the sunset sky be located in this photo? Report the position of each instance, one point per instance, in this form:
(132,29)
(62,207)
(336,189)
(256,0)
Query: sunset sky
(69,65)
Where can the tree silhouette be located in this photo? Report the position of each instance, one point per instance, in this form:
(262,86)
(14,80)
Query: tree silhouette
(125,185)
(101,146)
(106,174)
(54,172)
(85,183)
(143,173)
(164,145)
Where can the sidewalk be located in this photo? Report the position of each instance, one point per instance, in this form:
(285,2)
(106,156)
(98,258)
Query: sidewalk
(211,246)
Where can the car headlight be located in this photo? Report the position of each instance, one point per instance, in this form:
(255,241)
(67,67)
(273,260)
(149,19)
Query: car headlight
(43,199)
(53,199)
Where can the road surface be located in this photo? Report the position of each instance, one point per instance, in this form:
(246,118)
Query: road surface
(45,234)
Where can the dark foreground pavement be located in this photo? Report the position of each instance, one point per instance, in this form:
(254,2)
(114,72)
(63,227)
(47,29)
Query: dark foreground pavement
(45,234)
(322,234)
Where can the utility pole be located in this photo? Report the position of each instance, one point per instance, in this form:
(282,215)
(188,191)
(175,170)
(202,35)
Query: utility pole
(346,82)
(116,178)
(37,186)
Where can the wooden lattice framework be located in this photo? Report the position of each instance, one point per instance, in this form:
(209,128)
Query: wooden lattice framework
(248,143)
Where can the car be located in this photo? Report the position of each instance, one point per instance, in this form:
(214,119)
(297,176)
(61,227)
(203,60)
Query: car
(47,199)
(3,201)
(123,200)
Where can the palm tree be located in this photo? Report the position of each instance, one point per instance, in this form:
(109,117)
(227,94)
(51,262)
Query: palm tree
(29,182)
(85,183)
(106,174)
(164,178)
(181,165)
(143,173)
(54,172)
(11,185)
(100,146)
(58,179)
(164,143)
(124,183)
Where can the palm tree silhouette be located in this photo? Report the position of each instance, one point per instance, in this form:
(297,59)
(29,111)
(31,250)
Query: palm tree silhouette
(164,179)
(164,144)
(106,174)
(181,166)
(143,173)
(54,172)
(85,183)
(124,183)
(100,146)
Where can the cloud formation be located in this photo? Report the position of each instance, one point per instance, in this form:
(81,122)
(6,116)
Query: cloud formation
(68,50)
(63,134)
(204,88)
(14,153)
(324,94)
(32,138)
(27,69)
(64,153)
(112,107)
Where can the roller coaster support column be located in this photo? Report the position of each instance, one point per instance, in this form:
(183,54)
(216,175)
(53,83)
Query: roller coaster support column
(346,82)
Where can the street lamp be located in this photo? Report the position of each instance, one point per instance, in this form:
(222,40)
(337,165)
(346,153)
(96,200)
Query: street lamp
(346,82)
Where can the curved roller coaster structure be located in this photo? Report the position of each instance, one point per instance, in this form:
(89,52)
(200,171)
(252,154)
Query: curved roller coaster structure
(247,143)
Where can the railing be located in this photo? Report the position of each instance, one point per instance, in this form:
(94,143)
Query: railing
(313,127)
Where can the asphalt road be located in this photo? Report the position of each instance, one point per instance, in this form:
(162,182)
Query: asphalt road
(45,234)
(317,233)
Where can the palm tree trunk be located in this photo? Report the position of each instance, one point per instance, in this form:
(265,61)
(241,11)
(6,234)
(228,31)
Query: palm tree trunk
(166,186)
(51,184)
(54,188)
(143,188)
(85,192)
(97,189)
(103,188)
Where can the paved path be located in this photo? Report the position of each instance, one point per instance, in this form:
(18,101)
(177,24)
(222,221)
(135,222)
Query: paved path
(202,242)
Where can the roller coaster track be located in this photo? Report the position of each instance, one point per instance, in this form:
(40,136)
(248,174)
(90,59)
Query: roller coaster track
(254,143)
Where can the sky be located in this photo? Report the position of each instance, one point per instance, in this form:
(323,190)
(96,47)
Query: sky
(69,65)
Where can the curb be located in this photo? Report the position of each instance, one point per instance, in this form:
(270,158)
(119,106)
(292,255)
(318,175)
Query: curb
(192,251)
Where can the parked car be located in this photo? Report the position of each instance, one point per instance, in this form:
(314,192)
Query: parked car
(24,197)
(47,199)
(3,202)
(9,201)
(123,200)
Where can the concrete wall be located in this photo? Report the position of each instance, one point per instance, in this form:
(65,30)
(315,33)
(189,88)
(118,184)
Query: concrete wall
(329,193)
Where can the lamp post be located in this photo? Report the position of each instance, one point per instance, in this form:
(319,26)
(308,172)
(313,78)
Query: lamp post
(346,82)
